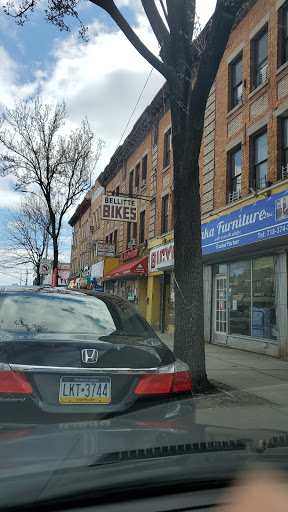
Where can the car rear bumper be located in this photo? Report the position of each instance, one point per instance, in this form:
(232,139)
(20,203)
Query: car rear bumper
(148,410)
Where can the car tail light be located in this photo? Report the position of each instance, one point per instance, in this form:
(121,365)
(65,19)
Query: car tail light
(13,382)
(172,379)
(154,384)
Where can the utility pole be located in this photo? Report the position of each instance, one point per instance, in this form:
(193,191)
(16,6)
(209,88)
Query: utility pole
(26,281)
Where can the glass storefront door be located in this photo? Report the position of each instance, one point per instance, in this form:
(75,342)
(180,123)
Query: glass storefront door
(220,308)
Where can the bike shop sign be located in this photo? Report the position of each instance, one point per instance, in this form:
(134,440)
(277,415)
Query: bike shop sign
(162,257)
(262,220)
(119,208)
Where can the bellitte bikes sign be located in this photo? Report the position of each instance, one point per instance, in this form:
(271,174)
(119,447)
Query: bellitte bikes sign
(119,208)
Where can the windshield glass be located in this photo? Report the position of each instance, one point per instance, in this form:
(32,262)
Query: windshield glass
(65,313)
(143,249)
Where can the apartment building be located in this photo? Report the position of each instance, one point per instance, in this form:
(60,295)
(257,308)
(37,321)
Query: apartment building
(141,168)
(243,181)
(244,186)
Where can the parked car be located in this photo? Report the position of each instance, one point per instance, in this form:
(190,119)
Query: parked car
(73,354)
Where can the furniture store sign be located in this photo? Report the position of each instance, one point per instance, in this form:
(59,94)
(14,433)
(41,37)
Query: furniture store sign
(263,220)
(162,257)
(119,208)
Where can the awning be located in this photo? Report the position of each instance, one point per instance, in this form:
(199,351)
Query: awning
(136,267)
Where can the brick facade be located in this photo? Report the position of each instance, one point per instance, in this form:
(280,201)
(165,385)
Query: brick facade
(224,130)
(256,111)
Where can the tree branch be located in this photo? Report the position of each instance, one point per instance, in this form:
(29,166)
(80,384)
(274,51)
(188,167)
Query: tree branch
(110,8)
(158,26)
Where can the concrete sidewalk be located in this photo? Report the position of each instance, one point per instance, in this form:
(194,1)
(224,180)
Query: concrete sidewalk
(264,376)
(261,376)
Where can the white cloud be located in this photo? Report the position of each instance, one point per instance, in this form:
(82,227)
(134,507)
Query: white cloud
(205,10)
(102,80)
(11,89)
(8,196)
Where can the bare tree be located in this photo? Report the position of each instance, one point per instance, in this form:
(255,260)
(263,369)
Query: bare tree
(190,69)
(23,234)
(38,152)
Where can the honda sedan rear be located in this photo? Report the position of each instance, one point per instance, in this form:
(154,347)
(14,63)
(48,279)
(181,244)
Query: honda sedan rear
(84,355)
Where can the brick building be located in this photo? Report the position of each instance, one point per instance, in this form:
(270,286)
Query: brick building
(244,186)
(143,168)
(243,181)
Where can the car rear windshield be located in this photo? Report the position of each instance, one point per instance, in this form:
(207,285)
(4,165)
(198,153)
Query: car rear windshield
(69,313)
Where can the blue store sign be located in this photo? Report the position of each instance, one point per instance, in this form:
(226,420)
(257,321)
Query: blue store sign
(264,219)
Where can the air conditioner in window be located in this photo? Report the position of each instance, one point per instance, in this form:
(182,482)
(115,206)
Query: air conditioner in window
(143,183)
(91,229)
(136,190)
(133,241)
(284,172)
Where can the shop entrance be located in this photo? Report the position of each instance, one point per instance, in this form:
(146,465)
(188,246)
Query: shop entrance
(220,308)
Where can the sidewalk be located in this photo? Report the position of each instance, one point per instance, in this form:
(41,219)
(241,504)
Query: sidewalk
(263,377)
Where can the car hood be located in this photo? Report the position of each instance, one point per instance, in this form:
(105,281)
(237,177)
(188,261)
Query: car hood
(46,461)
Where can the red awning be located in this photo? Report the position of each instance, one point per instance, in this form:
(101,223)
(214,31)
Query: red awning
(136,267)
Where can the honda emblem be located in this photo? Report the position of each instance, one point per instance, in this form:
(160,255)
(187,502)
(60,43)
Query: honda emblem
(89,355)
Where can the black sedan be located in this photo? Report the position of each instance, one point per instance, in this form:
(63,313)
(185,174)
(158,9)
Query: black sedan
(74,355)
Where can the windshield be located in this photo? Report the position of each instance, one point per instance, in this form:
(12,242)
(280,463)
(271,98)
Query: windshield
(143,249)
(65,313)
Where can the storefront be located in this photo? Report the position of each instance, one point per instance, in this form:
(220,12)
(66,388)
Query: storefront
(245,276)
(161,287)
(129,281)
(93,278)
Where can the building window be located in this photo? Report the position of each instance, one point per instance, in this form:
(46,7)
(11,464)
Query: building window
(128,232)
(284,33)
(115,239)
(236,82)
(137,178)
(131,180)
(111,238)
(142,227)
(285,148)
(167,148)
(165,208)
(144,171)
(252,298)
(155,134)
(261,58)
(117,191)
(135,230)
(260,161)
(106,239)
(244,298)
(235,175)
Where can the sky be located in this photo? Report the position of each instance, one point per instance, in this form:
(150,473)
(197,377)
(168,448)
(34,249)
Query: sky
(101,79)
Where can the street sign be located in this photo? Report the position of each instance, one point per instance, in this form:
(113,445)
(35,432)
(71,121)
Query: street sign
(119,208)
(45,267)
(106,250)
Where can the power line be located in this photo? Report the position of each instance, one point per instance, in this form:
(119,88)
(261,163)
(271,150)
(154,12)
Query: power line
(134,108)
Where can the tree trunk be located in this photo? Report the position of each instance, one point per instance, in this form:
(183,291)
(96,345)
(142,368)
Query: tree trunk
(38,276)
(189,316)
(55,256)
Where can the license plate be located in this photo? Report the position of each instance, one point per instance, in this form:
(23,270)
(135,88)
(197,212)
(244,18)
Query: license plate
(85,390)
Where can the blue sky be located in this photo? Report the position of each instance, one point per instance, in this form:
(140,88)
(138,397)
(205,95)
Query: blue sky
(101,80)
